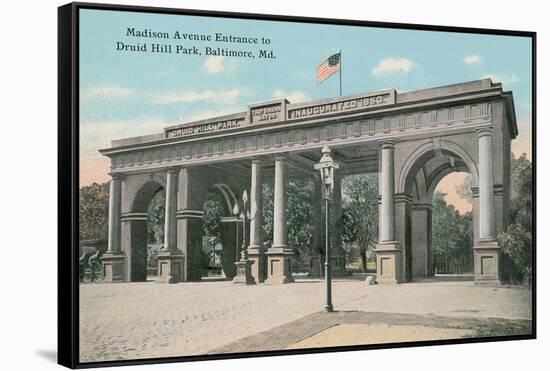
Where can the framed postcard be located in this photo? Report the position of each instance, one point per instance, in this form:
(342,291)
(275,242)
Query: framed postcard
(240,185)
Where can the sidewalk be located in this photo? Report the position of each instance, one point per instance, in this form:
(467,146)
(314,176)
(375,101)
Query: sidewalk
(342,328)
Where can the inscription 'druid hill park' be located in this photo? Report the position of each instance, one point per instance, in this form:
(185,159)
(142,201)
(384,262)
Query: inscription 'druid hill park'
(204,128)
(359,103)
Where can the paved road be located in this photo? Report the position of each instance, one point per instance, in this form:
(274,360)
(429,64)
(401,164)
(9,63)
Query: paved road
(142,320)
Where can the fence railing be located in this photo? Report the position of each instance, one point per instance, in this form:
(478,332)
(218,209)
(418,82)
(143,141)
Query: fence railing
(453,265)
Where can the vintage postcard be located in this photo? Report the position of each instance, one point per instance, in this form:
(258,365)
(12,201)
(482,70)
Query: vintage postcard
(282,185)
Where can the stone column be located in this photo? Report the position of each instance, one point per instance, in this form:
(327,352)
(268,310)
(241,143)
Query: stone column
(170,210)
(337,254)
(113,259)
(279,204)
(256,250)
(387,192)
(279,255)
(191,197)
(170,261)
(388,251)
(486,197)
(486,249)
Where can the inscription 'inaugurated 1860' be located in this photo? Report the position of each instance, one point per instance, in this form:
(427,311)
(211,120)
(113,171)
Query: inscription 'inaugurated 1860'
(354,104)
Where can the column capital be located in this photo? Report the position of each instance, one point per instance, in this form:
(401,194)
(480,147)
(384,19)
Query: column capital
(484,131)
(403,197)
(422,206)
(116,176)
(172,170)
(387,143)
(257,161)
(281,157)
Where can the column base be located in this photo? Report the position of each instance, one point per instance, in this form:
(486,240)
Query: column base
(113,267)
(279,265)
(388,262)
(244,274)
(487,263)
(170,266)
(258,259)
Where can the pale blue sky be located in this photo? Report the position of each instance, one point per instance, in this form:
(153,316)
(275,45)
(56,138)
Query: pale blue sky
(127,94)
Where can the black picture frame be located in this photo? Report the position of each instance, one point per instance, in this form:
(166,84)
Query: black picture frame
(68,179)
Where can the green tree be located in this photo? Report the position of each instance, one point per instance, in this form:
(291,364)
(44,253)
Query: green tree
(464,189)
(517,240)
(517,249)
(212,226)
(155,217)
(360,213)
(521,210)
(267,211)
(451,231)
(299,218)
(93,210)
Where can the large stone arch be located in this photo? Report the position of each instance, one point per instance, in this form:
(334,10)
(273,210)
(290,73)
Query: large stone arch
(416,181)
(138,192)
(423,153)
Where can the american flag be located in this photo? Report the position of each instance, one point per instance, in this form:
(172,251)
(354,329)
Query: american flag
(328,67)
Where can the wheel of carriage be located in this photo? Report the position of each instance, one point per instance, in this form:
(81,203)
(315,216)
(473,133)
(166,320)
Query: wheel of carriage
(97,270)
(88,275)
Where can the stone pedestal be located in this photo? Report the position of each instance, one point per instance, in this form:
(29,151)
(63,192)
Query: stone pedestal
(338,265)
(316,267)
(170,267)
(244,274)
(113,267)
(388,262)
(486,263)
(258,259)
(279,265)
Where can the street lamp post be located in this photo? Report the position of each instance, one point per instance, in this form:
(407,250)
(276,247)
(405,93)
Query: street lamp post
(244,273)
(327,166)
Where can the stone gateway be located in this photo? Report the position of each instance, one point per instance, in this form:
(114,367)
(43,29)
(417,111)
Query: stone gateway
(411,139)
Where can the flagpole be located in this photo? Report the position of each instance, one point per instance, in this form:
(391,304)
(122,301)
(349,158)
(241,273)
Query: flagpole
(340,52)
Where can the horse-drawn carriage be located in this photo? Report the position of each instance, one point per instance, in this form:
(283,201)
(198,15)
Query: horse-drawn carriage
(90,267)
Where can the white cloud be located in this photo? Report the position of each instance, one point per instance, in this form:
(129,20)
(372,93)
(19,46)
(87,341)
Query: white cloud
(503,78)
(214,64)
(473,59)
(389,66)
(224,96)
(292,96)
(108,91)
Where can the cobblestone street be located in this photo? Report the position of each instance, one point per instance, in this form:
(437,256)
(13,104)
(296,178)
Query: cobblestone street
(143,320)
